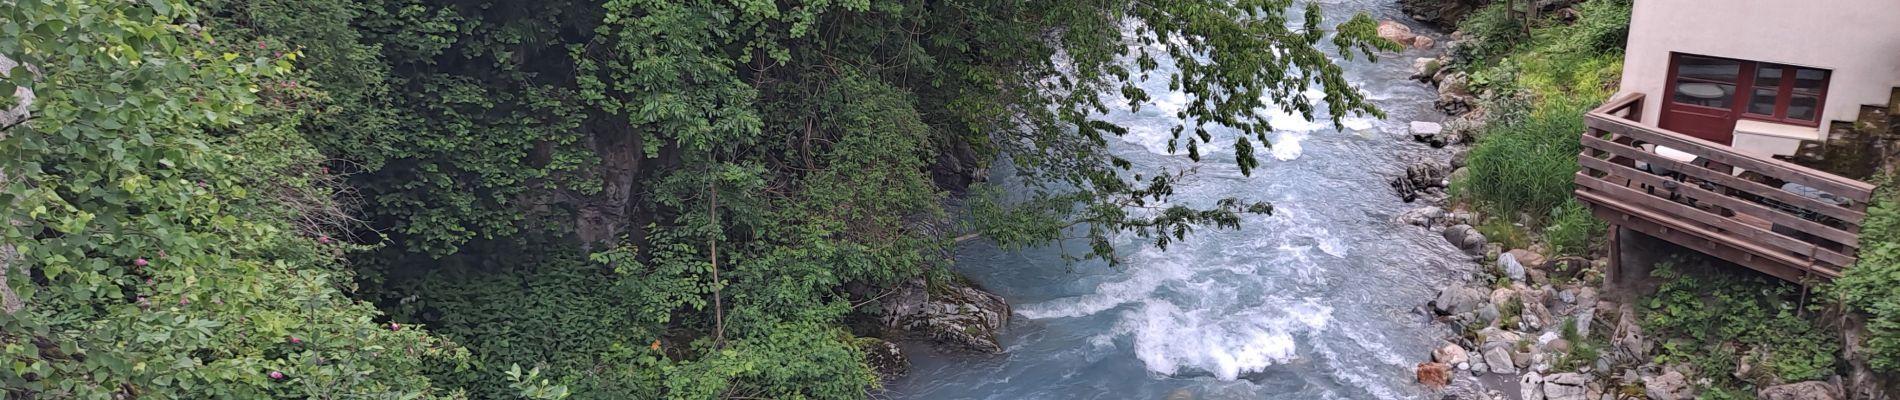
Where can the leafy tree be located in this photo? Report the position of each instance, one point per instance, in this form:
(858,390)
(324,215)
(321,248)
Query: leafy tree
(169,224)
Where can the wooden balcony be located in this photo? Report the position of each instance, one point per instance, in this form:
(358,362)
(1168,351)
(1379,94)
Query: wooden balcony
(1776,217)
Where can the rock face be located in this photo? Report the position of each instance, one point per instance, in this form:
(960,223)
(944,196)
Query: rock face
(1434,375)
(1396,32)
(1671,385)
(885,359)
(958,318)
(1813,390)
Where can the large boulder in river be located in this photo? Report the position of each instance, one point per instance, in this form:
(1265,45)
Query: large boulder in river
(956,317)
(1812,390)
(1450,354)
(1396,32)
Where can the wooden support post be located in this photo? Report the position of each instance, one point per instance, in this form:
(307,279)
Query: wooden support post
(1615,273)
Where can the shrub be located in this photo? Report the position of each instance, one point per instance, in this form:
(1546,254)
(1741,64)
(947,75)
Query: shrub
(1571,228)
(1721,318)
(1527,166)
(1872,284)
(1494,33)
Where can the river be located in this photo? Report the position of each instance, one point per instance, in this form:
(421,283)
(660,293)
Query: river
(1313,302)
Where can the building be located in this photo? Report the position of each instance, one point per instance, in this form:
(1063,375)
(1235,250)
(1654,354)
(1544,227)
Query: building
(1742,128)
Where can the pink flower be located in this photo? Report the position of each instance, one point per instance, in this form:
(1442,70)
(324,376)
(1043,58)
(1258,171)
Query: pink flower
(148,281)
(276,375)
(395,326)
(140,262)
(295,340)
(325,239)
(260,45)
(182,300)
(161,254)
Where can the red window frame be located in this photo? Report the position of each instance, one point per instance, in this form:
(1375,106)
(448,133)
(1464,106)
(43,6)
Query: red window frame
(1747,83)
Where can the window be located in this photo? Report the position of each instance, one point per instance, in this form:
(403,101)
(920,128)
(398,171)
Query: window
(1757,90)
(1706,81)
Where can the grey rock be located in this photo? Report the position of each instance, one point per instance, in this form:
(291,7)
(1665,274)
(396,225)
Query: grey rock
(1512,268)
(1565,386)
(1498,359)
(1488,313)
(1530,386)
(1811,390)
(1465,237)
(1422,216)
(1457,300)
(959,318)
(1671,385)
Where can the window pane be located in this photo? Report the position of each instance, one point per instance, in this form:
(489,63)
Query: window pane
(1803,107)
(1714,69)
(1762,102)
(1768,77)
(1809,79)
(1704,94)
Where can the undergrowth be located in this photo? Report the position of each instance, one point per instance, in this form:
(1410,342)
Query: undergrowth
(1714,320)
(1872,285)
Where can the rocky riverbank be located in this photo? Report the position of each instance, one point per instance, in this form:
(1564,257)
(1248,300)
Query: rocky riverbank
(1528,326)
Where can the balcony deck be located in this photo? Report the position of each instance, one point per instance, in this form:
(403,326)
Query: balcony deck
(1723,203)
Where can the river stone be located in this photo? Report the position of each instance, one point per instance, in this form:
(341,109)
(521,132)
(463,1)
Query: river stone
(1423,42)
(1422,216)
(1530,386)
(1530,259)
(1512,268)
(1488,314)
(1465,237)
(1498,359)
(1396,32)
(1671,385)
(1565,386)
(1423,131)
(1457,300)
(1434,375)
(1811,390)
(1450,353)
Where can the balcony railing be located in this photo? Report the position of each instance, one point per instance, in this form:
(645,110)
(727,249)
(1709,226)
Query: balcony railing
(1777,217)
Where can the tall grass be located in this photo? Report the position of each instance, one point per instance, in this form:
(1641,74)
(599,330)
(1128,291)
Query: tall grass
(1526,156)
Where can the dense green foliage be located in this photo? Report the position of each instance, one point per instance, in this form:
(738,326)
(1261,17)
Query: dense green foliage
(1872,284)
(171,224)
(1536,87)
(1714,320)
(625,198)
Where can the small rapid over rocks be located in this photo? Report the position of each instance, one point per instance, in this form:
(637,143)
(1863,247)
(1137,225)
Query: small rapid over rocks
(1318,301)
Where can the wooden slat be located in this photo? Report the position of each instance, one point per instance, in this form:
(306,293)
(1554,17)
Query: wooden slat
(1620,103)
(1786,268)
(1739,205)
(1852,217)
(1839,186)
(1755,234)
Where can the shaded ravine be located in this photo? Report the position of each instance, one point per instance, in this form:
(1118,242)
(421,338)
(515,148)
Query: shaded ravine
(1313,302)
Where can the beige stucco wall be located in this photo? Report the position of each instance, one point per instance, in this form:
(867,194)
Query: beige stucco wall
(1859,40)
